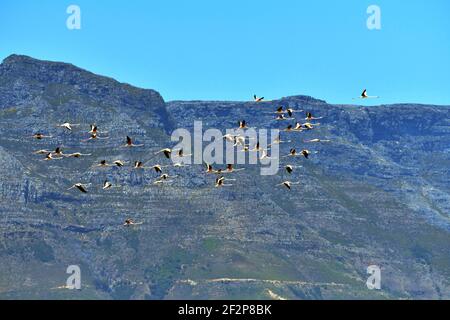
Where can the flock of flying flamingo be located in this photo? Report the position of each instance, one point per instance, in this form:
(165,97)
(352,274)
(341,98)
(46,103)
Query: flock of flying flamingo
(238,140)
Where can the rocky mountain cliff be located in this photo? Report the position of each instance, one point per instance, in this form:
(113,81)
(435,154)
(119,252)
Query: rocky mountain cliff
(377,194)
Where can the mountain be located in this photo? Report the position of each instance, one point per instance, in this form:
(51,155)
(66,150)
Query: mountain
(376,194)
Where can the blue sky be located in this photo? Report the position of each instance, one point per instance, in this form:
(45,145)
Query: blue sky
(228,50)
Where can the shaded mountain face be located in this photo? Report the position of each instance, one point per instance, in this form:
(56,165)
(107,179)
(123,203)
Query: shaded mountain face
(377,194)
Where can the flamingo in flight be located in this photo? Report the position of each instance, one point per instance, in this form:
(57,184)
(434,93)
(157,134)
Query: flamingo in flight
(94,129)
(306,153)
(305,126)
(265,156)
(230,137)
(77,155)
(257,148)
(258,99)
(290,128)
(80,186)
(68,126)
(279,110)
(49,157)
(130,222)
(164,178)
(179,165)
(231,169)
(181,154)
(243,124)
(291,112)
(220,182)
(139,165)
(167,152)
(278,140)
(365,96)
(316,141)
(40,136)
(293,153)
(43,151)
(282,117)
(102,164)
(310,117)
(239,141)
(290,168)
(94,136)
(58,152)
(288,184)
(209,169)
(107,185)
(119,163)
(158,168)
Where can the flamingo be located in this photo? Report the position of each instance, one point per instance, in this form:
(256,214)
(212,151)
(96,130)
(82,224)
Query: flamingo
(258,99)
(243,124)
(229,137)
(220,182)
(292,153)
(316,141)
(49,157)
(94,129)
(239,141)
(40,136)
(182,155)
(94,136)
(306,153)
(157,168)
(179,165)
(278,140)
(130,143)
(310,117)
(77,155)
(298,126)
(139,165)
(365,96)
(290,168)
(257,147)
(164,178)
(309,126)
(80,186)
(291,112)
(167,152)
(58,152)
(245,148)
(290,128)
(43,151)
(209,168)
(281,117)
(130,222)
(119,163)
(279,110)
(288,184)
(102,164)
(230,169)
(107,185)
(264,155)
(68,126)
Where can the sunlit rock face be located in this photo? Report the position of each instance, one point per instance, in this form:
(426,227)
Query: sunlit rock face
(376,194)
